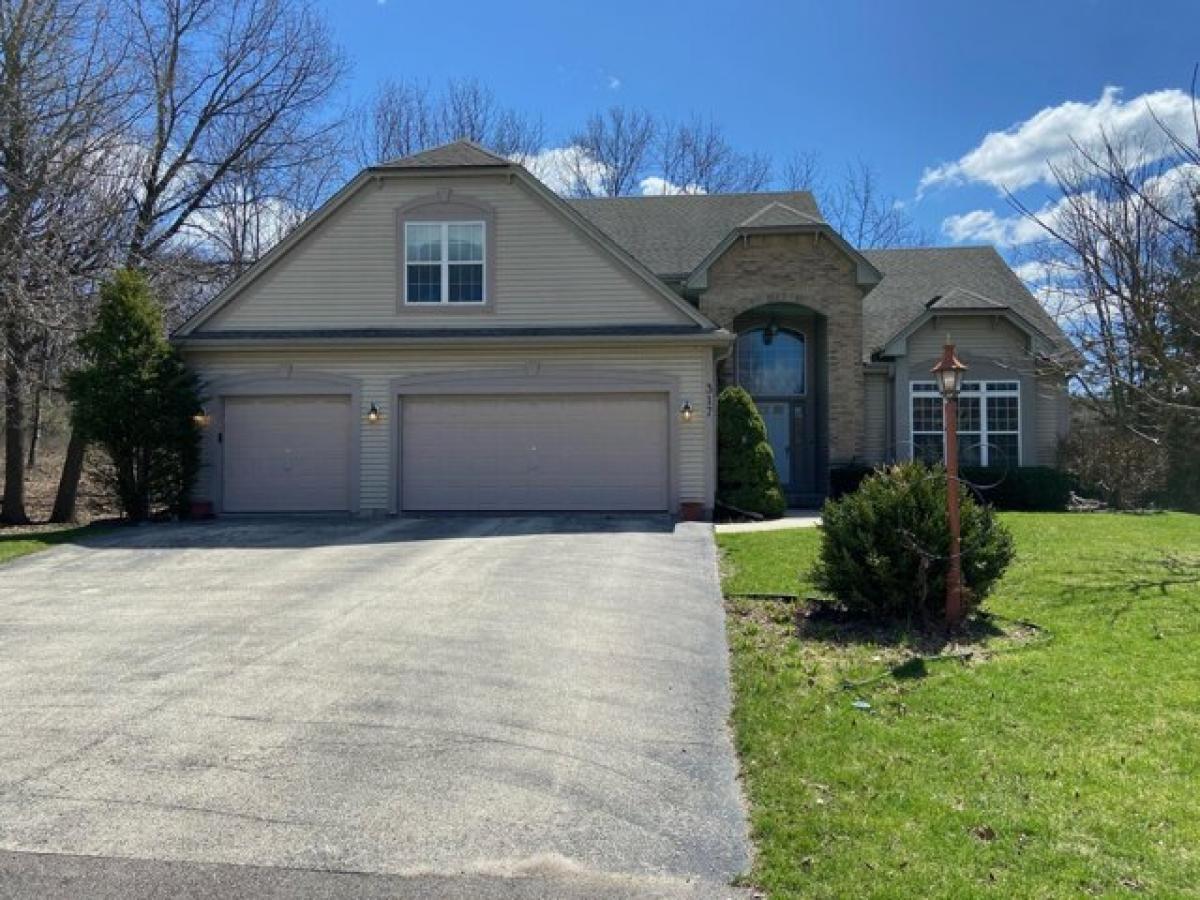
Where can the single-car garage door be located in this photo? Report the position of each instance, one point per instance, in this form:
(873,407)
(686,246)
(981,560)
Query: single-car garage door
(548,452)
(287,454)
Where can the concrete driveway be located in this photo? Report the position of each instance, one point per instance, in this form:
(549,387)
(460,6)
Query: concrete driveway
(526,706)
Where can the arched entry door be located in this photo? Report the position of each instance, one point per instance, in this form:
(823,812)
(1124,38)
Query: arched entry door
(772,364)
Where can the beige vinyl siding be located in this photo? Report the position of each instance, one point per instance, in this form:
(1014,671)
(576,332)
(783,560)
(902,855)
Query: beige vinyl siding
(875,414)
(345,273)
(993,349)
(1053,418)
(984,338)
(375,369)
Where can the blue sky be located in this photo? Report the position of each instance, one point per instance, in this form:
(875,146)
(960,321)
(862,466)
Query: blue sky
(904,86)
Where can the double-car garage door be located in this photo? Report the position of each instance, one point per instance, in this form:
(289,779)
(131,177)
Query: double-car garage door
(552,452)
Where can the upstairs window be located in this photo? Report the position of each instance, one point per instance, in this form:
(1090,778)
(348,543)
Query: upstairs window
(989,423)
(444,262)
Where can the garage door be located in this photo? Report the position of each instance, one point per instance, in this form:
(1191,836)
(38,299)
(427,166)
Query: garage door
(287,454)
(559,452)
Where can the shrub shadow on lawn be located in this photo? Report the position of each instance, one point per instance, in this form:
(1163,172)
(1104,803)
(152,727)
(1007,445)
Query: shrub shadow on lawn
(823,624)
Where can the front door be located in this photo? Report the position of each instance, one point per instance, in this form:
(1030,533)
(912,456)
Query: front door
(772,365)
(777,415)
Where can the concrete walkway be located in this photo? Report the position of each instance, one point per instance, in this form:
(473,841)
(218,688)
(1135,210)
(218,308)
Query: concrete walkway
(793,518)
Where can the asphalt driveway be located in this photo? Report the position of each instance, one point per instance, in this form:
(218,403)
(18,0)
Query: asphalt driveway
(418,699)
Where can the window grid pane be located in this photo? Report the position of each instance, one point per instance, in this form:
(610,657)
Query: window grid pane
(466,283)
(465,242)
(1002,414)
(423,243)
(927,414)
(424,284)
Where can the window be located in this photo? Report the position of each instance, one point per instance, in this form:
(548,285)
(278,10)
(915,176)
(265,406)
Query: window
(443,262)
(989,423)
(770,362)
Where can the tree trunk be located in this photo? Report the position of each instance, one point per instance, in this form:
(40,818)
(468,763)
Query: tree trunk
(35,426)
(13,511)
(68,482)
(39,389)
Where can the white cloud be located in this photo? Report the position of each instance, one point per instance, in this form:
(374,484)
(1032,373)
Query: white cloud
(654,185)
(1172,190)
(562,169)
(985,226)
(1024,154)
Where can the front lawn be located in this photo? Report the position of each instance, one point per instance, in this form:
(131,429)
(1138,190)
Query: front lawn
(1060,765)
(20,543)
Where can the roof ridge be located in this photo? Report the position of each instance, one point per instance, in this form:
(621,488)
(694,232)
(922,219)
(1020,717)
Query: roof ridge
(639,197)
(433,156)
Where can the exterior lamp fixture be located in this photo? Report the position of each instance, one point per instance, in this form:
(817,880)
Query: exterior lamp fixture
(201,418)
(949,374)
(685,411)
(373,414)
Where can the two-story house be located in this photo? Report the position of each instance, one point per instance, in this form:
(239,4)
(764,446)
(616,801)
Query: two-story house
(446,333)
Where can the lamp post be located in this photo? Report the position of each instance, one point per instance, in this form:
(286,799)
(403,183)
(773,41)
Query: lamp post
(949,373)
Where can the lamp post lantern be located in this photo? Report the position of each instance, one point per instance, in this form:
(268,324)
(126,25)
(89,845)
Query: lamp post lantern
(949,373)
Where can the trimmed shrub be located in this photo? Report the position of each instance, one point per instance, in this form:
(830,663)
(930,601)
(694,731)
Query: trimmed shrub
(746,476)
(885,547)
(136,399)
(845,479)
(1028,488)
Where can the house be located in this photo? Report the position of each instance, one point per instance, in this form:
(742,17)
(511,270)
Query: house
(446,333)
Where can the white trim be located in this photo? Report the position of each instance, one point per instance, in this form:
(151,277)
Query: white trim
(978,389)
(445,263)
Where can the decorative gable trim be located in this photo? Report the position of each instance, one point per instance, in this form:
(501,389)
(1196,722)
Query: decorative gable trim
(867,276)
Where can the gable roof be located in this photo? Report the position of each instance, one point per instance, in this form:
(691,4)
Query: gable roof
(927,279)
(465,157)
(673,234)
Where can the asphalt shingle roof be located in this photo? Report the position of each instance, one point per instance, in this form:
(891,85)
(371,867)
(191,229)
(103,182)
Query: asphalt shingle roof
(449,156)
(960,277)
(671,234)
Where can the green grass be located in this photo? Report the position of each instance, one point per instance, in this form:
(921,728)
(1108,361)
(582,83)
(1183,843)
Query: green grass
(1065,766)
(14,545)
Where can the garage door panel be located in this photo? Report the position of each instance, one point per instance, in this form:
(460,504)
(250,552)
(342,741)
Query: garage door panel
(287,454)
(586,452)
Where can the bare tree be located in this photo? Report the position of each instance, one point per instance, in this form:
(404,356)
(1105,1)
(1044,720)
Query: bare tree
(613,150)
(694,156)
(855,204)
(803,172)
(1116,232)
(58,91)
(218,84)
(404,117)
(222,81)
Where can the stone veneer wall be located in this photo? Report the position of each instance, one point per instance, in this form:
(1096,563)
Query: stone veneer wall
(809,270)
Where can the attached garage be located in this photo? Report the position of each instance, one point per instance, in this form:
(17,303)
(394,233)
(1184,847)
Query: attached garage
(287,454)
(553,452)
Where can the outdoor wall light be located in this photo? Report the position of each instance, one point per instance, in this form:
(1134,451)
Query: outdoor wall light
(201,418)
(373,414)
(685,411)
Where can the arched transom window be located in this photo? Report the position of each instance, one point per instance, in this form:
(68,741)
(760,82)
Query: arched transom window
(771,362)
